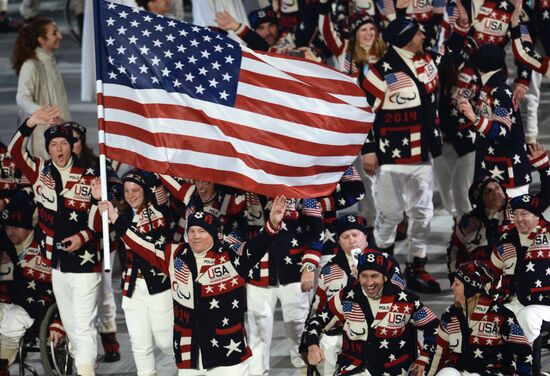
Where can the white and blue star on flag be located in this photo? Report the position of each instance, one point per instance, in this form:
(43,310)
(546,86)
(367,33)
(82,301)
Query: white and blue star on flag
(187,101)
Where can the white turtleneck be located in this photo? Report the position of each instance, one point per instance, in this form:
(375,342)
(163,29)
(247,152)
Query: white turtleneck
(40,83)
(64,171)
(407,57)
(524,239)
(199,259)
(486,76)
(374,303)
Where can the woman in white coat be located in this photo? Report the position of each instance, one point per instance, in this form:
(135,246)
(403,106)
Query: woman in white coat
(39,82)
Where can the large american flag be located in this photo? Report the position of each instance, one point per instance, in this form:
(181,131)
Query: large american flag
(183,100)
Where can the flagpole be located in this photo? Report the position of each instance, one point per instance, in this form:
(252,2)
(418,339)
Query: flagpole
(101,136)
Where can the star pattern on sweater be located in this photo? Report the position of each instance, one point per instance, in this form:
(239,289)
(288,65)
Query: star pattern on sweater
(86,257)
(233,346)
(214,304)
(478,353)
(497,173)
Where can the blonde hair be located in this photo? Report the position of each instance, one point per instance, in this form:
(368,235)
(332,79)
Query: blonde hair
(361,56)
(471,304)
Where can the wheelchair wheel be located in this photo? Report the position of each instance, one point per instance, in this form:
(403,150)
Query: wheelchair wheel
(56,360)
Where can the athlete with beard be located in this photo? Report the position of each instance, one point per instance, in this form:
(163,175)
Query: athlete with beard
(379,322)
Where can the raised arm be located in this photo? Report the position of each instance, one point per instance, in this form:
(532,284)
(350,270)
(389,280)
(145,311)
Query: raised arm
(330,35)
(153,250)
(250,252)
(28,164)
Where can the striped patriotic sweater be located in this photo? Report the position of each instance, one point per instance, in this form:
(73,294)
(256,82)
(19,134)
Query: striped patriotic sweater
(500,149)
(11,178)
(390,331)
(492,25)
(25,278)
(349,190)
(428,13)
(210,303)
(486,343)
(523,49)
(523,267)
(456,128)
(404,130)
(475,235)
(300,240)
(151,223)
(62,210)
(336,275)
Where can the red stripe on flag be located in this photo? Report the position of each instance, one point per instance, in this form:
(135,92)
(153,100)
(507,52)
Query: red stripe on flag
(285,86)
(336,86)
(373,89)
(223,177)
(170,111)
(214,147)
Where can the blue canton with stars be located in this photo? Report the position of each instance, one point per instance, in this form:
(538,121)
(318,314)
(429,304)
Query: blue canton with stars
(142,50)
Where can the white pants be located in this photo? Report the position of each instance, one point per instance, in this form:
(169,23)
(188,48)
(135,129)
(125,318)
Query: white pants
(408,188)
(148,317)
(14,322)
(106,316)
(448,371)
(261,303)
(454,175)
(366,206)
(77,298)
(332,347)
(530,317)
(237,369)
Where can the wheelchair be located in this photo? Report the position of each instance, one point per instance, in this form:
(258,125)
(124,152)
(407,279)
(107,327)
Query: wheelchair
(540,343)
(56,359)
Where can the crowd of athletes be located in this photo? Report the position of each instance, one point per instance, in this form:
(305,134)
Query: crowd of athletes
(204,265)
